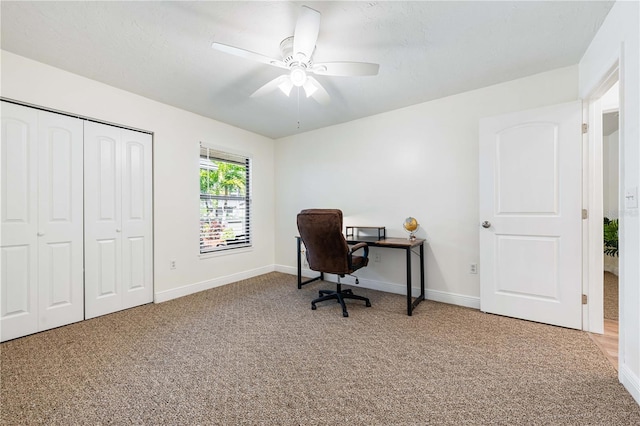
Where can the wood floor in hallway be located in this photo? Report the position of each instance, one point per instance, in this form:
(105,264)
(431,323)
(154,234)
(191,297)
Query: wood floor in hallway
(608,342)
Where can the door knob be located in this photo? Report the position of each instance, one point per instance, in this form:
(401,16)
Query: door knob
(40,234)
(486,224)
(117,229)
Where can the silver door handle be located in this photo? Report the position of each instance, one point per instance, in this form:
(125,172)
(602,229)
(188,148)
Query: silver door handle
(486,224)
(117,230)
(40,234)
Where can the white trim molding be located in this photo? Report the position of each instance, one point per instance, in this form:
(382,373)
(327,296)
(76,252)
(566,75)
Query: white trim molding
(630,381)
(163,296)
(389,287)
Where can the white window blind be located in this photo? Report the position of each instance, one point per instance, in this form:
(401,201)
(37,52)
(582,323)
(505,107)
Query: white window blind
(225,200)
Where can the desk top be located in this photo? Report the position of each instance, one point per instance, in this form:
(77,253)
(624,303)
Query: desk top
(387,242)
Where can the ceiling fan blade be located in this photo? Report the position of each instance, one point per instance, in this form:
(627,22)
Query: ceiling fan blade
(346,69)
(247,54)
(306,32)
(270,86)
(319,94)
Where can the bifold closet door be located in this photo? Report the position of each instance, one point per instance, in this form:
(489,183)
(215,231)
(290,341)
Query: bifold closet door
(42,244)
(118,219)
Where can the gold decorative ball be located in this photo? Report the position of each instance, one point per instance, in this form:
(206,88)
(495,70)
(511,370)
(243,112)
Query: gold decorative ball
(410,224)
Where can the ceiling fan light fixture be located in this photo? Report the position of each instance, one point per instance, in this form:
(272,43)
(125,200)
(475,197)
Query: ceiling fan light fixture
(298,76)
(286,85)
(309,88)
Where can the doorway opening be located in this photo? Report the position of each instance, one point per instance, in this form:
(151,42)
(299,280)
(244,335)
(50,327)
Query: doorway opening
(604,203)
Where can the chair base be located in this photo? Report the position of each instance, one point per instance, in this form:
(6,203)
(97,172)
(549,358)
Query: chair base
(339,295)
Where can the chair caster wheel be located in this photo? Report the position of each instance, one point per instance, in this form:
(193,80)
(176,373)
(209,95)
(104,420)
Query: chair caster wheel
(368,305)
(313,307)
(345,314)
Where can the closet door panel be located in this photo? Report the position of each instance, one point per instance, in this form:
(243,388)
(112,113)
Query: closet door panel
(133,264)
(19,227)
(102,213)
(107,275)
(137,218)
(19,295)
(60,220)
(56,287)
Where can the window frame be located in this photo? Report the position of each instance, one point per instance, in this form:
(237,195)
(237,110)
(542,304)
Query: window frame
(216,154)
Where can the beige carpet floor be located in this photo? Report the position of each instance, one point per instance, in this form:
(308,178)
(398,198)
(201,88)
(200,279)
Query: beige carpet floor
(254,353)
(610,296)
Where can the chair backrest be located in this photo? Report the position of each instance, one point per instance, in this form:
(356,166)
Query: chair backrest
(321,233)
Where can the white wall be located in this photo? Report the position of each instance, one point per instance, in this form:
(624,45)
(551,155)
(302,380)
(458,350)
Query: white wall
(419,161)
(177,134)
(619,40)
(610,171)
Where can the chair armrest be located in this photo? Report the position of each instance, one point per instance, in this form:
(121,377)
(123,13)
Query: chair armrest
(359,246)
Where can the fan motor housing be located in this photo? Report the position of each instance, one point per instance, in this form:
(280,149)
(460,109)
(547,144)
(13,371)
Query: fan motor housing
(286,49)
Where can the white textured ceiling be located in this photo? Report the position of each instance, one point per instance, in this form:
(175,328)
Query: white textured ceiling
(426,50)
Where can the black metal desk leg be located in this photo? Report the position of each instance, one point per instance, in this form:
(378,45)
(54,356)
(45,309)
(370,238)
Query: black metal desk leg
(422,295)
(409,304)
(299,265)
(300,282)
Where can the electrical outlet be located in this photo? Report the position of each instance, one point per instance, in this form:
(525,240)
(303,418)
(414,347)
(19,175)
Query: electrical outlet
(376,258)
(172,264)
(473,268)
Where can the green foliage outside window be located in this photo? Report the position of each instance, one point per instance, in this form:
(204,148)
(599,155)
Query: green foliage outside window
(611,236)
(226,179)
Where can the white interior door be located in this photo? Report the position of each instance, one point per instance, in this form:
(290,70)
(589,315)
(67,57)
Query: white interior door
(42,242)
(103,225)
(137,232)
(531,209)
(60,221)
(118,219)
(19,274)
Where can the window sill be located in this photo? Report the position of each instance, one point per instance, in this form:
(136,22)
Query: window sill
(220,253)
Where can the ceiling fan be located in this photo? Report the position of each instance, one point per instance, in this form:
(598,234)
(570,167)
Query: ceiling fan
(297,57)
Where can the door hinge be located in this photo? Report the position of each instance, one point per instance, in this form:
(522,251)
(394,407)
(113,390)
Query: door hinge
(584,299)
(585,128)
(585,214)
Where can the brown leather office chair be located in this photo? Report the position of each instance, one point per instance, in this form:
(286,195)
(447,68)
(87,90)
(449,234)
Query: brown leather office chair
(327,251)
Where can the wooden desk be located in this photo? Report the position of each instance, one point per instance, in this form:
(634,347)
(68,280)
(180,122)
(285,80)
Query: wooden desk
(395,243)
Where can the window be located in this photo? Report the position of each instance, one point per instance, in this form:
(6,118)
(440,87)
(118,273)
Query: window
(225,201)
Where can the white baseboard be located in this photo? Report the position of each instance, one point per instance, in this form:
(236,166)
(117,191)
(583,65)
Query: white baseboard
(186,290)
(630,381)
(453,298)
(396,288)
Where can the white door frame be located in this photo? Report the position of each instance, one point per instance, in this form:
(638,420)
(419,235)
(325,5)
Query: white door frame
(593,311)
